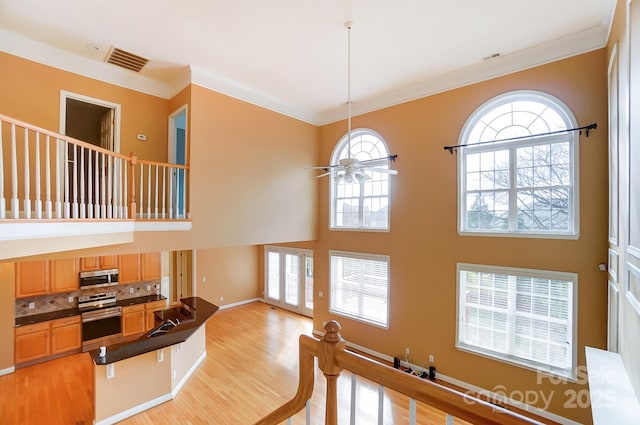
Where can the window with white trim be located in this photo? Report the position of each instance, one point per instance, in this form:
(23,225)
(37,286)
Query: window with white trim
(527,186)
(359,202)
(359,285)
(521,316)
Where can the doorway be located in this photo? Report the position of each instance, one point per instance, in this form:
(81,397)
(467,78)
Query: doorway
(289,279)
(181,275)
(178,155)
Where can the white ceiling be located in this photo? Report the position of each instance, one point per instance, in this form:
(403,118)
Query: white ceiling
(291,55)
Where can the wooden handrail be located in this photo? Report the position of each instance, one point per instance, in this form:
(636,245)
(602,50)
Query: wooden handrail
(333,357)
(163,164)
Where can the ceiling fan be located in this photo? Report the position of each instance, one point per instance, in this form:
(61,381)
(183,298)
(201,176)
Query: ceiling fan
(349,169)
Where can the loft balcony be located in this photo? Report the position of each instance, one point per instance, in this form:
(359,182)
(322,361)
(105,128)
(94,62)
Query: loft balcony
(54,186)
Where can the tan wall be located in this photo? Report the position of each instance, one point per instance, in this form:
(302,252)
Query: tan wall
(7,294)
(31,92)
(231,273)
(424,244)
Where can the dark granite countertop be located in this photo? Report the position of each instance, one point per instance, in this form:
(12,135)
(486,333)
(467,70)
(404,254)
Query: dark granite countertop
(60,314)
(201,310)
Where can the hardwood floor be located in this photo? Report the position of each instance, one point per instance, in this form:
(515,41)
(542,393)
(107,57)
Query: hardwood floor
(251,368)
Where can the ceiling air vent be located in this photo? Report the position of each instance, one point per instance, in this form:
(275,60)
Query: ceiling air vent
(126,60)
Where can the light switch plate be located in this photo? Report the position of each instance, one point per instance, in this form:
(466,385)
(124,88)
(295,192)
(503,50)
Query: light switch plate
(32,305)
(70,299)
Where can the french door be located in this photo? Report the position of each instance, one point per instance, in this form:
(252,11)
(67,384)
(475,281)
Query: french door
(289,279)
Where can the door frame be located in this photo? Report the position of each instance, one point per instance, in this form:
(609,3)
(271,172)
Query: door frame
(172,133)
(64,95)
(303,254)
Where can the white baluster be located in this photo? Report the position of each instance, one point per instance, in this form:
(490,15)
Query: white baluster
(380,405)
(141,193)
(3,206)
(156,202)
(412,412)
(65,171)
(27,176)
(119,200)
(449,419)
(103,187)
(38,206)
(307,409)
(83,211)
(164,190)
(90,184)
(149,193)
(15,203)
(126,191)
(179,175)
(184,193)
(58,184)
(109,187)
(171,184)
(74,204)
(47,177)
(354,385)
(96,184)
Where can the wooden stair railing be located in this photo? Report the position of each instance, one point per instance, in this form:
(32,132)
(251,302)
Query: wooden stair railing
(333,358)
(46,175)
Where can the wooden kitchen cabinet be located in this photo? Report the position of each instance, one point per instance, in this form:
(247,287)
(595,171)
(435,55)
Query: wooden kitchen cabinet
(66,334)
(103,262)
(133,320)
(32,278)
(64,275)
(150,308)
(31,342)
(129,271)
(150,266)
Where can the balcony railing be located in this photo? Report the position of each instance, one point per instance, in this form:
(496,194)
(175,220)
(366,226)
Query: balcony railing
(45,175)
(333,358)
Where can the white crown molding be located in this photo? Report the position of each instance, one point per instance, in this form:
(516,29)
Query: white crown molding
(21,46)
(246,94)
(566,47)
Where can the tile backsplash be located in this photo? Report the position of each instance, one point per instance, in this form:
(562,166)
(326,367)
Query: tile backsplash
(54,302)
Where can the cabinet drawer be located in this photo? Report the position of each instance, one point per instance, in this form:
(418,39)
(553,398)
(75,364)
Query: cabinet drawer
(65,321)
(132,308)
(22,330)
(156,305)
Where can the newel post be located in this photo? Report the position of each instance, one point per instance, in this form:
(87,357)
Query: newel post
(330,344)
(132,185)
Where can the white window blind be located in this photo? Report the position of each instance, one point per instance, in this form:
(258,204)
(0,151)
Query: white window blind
(518,315)
(360,287)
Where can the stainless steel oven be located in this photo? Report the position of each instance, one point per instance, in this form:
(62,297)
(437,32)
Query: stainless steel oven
(101,320)
(98,279)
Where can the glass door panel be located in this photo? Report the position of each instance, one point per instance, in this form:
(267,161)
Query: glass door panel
(273,276)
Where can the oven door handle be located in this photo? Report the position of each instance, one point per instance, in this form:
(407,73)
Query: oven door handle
(100,316)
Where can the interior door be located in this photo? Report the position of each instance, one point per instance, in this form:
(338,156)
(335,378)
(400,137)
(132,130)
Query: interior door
(289,279)
(178,155)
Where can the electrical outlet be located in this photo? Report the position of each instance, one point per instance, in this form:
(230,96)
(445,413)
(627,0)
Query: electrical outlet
(221,298)
(204,279)
(131,290)
(148,287)
(70,299)
(406,353)
(320,294)
(32,305)
(431,358)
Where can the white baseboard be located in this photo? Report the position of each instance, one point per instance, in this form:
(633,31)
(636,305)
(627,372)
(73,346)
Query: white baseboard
(469,387)
(239,303)
(134,410)
(187,375)
(7,371)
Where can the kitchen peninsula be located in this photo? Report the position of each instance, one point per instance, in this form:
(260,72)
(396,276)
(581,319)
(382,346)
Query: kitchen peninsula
(137,375)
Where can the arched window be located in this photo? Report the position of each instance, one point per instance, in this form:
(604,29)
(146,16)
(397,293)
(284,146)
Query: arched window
(360,201)
(526,186)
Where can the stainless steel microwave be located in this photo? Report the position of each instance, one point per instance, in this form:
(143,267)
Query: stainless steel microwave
(99,278)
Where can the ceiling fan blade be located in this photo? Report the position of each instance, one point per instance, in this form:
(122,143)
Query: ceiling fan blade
(324,174)
(383,170)
(373,162)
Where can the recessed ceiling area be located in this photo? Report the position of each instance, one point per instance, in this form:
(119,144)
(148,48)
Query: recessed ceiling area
(291,56)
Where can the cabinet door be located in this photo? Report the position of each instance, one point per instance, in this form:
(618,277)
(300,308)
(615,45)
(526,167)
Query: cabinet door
(150,265)
(150,308)
(32,278)
(129,268)
(31,342)
(64,275)
(109,262)
(88,264)
(133,320)
(65,335)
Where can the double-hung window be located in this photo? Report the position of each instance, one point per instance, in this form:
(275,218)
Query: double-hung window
(360,200)
(513,181)
(360,286)
(521,316)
